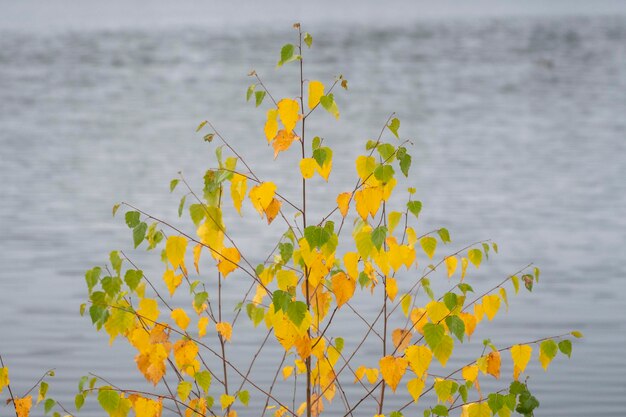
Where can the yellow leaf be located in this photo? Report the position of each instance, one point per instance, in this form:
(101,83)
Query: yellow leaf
(288,113)
(262,195)
(342,287)
(491,304)
(464,263)
(343,202)
(451,264)
(272,210)
(238,187)
(419,318)
(175,248)
(307,167)
(470,322)
(185,352)
(4,378)
(226,401)
(271,125)
(23,405)
(197,408)
(286,279)
(325,169)
(415,388)
(351,262)
(393,369)
(316,90)
(391,287)
(372,375)
(283,141)
(401,339)
(202,325)
(365,166)
(393,218)
(224,329)
(145,407)
(419,358)
(180,318)
(228,261)
(197,250)
(287,371)
(521,356)
(148,310)
(437,311)
(479,410)
(470,373)
(493,364)
(171,280)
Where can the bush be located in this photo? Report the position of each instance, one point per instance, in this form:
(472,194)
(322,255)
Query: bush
(312,278)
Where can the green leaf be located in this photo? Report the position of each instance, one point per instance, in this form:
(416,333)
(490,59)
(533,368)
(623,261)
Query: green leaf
(297,312)
(495,402)
(456,326)
(116,261)
(82,381)
(199,299)
(258,97)
(250,91)
(565,346)
(386,151)
(328,102)
(139,233)
(577,334)
(244,397)
(109,399)
(203,378)
(414,207)
(316,143)
(465,287)
(286,251)
(527,404)
(378,236)
(450,299)
(444,235)
(548,348)
(339,342)
(475,256)
(255,313)
(405,164)
(132,218)
(440,410)
(394,125)
(308,39)
(286,54)
(316,236)
(281,300)
(197,213)
(132,278)
(183,390)
(181,205)
(463,392)
(536,273)
(79,400)
(173,184)
(384,173)
(364,279)
(433,333)
(486,250)
(111,285)
(92,277)
(47,406)
(396,414)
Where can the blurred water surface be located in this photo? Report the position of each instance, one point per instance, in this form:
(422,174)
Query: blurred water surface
(518,129)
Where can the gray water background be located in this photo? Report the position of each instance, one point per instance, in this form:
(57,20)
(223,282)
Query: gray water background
(518,123)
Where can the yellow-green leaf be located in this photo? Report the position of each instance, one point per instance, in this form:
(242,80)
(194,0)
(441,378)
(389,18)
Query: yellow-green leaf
(226,401)
(429,244)
(475,256)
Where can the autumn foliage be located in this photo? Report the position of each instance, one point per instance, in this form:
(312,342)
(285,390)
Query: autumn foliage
(365,246)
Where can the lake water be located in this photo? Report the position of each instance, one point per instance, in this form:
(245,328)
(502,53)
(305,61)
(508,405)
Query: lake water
(519,133)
